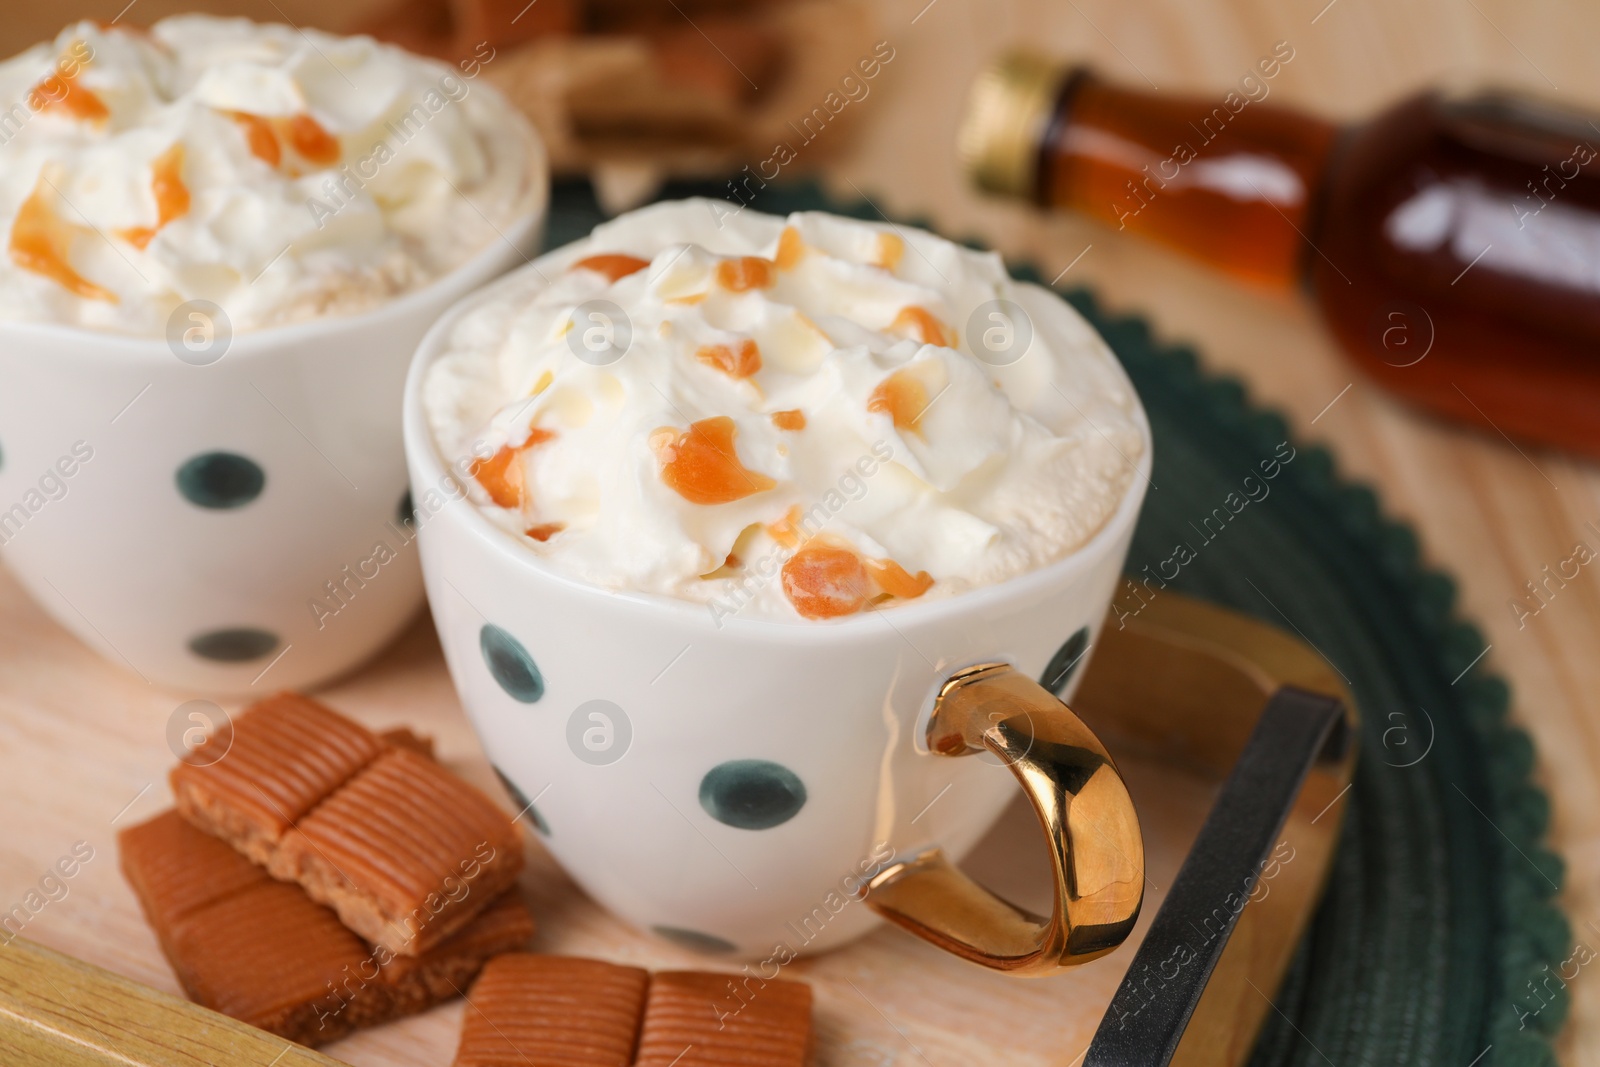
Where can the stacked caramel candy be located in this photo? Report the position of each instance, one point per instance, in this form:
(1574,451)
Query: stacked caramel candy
(320,877)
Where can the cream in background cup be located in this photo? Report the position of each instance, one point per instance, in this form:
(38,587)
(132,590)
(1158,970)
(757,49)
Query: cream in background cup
(732,782)
(211,492)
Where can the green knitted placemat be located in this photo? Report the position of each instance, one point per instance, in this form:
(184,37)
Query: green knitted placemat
(1437,936)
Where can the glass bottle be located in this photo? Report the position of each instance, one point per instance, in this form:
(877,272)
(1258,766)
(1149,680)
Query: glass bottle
(1452,242)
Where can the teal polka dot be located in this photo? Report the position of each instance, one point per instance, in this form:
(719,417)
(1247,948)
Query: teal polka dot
(220,480)
(695,941)
(239,644)
(752,794)
(510,664)
(1065,663)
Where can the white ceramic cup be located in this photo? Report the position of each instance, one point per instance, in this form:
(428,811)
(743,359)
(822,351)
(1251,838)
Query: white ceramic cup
(185,518)
(731,785)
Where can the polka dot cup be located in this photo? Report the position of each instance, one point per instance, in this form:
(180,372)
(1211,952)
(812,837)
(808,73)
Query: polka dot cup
(732,784)
(224,512)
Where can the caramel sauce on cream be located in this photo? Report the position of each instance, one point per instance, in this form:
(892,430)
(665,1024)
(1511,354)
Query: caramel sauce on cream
(826,582)
(921,324)
(897,581)
(61,92)
(614,265)
(259,136)
(701,465)
(902,397)
(744,273)
(41,241)
(502,476)
(786,531)
(740,361)
(267,136)
(791,249)
(172,196)
(314,144)
(891,248)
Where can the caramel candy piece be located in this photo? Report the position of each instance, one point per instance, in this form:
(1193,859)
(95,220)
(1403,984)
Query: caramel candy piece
(405,852)
(554,1011)
(698,1019)
(270,957)
(288,754)
(265,953)
(176,870)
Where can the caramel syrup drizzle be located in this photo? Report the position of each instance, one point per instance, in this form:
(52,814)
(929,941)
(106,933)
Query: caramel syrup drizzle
(738,362)
(902,397)
(61,91)
(41,242)
(701,465)
(921,324)
(259,136)
(744,273)
(267,136)
(614,265)
(829,581)
(172,196)
(502,475)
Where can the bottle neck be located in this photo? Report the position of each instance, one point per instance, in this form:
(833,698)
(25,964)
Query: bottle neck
(1231,181)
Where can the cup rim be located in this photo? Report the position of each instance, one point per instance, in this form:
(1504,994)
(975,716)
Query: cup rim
(423,450)
(257,343)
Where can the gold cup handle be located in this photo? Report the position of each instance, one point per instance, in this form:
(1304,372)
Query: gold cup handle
(1096,851)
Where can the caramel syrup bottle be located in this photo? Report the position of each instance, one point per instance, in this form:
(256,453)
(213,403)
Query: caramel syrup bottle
(1452,243)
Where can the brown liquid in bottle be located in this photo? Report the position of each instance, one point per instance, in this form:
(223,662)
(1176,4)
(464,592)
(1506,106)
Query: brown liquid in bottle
(1234,189)
(1462,263)
(1452,244)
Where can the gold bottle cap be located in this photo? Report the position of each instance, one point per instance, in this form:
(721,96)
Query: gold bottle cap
(1008,112)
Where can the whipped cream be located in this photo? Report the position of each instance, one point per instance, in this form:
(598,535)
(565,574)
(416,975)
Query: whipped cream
(280,174)
(798,427)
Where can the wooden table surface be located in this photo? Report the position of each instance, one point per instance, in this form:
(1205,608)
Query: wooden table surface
(1491,514)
